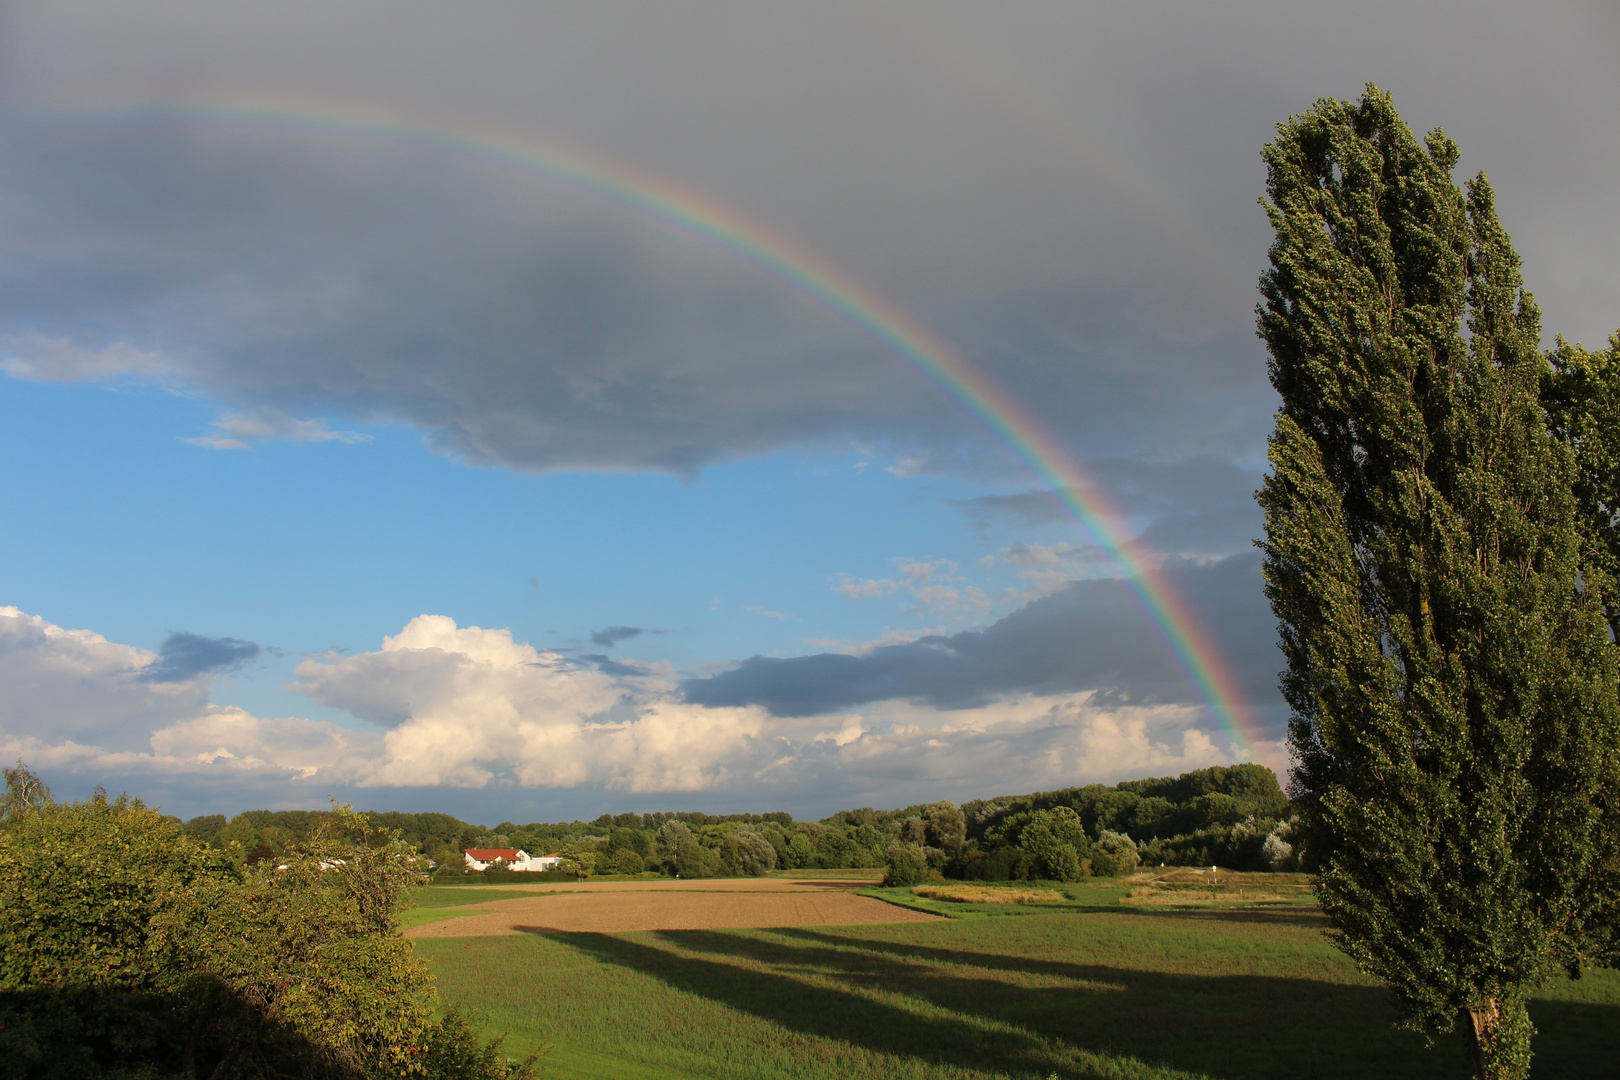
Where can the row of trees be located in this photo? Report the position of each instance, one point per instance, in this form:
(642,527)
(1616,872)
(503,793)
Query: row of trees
(1233,816)
(1236,816)
(256,836)
(130,949)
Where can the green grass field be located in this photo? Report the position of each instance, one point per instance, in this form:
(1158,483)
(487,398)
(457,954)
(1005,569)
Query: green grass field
(827,875)
(1085,987)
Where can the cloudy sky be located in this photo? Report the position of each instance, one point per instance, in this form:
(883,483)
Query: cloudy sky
(432,406)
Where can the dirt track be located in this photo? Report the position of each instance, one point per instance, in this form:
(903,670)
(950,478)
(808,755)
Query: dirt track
(617,906)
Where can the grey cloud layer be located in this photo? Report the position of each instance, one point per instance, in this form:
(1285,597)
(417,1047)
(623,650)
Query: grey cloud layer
(185,656)
(1092,635)
(1066,195)
(1201,506)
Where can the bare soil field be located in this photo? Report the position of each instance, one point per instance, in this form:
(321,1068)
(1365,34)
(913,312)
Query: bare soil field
(620,906)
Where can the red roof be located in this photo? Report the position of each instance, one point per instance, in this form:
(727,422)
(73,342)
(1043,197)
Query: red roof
(505,854)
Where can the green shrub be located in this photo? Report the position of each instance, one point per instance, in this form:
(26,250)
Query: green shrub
(1063,863)
(755,855)
(129,950)
(625,861)
(454,1052)
(905,865)
(1113,854)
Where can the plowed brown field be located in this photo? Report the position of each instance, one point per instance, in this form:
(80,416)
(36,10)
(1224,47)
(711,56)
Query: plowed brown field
(617,906)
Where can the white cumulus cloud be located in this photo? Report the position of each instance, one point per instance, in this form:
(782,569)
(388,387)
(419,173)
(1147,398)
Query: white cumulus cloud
(474,708)
(468,706)
(58,683)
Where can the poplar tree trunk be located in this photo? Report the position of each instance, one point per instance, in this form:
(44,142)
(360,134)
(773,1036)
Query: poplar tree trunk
(1483,1020)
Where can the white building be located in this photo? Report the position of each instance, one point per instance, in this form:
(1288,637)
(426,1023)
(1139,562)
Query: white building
(512,858)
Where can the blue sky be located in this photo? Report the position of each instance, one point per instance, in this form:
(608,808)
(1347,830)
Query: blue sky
(357,467)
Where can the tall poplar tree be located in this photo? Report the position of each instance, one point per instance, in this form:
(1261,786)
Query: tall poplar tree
(1582,394)
(1452,681)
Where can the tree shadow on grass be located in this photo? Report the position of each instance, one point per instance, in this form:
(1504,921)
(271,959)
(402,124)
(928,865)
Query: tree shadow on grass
(201,1028)
(1575,1038)
(845,1013)
(1277,916)
(1241,1025)
(1223,1026)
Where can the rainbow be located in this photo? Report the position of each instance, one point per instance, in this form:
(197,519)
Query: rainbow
(669,205)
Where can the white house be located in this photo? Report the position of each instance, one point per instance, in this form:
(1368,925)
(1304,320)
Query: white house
(513,859)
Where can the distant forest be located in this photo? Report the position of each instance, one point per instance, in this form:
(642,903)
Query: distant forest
(1235,816)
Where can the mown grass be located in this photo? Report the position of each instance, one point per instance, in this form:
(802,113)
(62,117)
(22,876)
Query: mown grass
(1080,988)
(438,902)
(828,875)
(447,896)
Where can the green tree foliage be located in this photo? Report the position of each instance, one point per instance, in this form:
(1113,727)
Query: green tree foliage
(625,861)
(79,886)
(312,948)
(578,860)
(946,828)
(1114,854)
(905,865)
(1058,841)
(678,848)
(205,828)
(755,855)
(1453,687)
(1217,816)
(624,838)
(836,849)
(1581,392)
(128,949)
(24,794)
(801,853)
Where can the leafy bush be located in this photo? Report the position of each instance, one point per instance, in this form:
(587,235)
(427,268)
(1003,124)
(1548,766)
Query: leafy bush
(905,865)
(454,1052)
(129,950)
(755,855)
(1114,854)
(801,853)
(626,861)
(1277,852)
(1057,838)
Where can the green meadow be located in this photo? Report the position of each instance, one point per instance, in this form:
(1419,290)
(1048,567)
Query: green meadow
(1098,983)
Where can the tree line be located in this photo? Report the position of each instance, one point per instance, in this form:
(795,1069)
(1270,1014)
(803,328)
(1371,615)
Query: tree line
(1236,816)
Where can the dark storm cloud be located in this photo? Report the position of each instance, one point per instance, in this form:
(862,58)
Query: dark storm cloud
(1066,195)
(186,656)
(1198,507)
(1093,635)
(614,634)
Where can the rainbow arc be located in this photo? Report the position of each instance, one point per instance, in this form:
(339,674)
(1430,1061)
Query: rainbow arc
(674,206)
